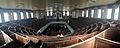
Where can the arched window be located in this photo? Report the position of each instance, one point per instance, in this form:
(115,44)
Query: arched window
(0,19)
(86,13)
(68,13)
(51,13)
(27,15)
(63,13)
(92,13)
(83,13)
(6,16)
(116,13)
(32,16)
(47,13)
(109,11)
(15,15)
(22,16)
(99,13)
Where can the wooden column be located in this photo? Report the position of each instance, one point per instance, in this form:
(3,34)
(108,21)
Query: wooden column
(89,13)
(49,13)
(24,14)
(2,15)
(84,13)
(104,12)
(119,13)
(34,14)
(18,15)
(95,13)
(11,15)
(112,14)
(29,14)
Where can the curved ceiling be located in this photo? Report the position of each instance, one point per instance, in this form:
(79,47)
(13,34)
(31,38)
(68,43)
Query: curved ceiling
(88,3)
(71,4)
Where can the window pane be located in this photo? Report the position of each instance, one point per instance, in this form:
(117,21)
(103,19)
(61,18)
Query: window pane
(86,13)
(92,13)
(27,15)
(99,13)
(50,13)
(83,13)
(67,13)
(22,16)
(15,15)
(6,16)
(109,11)
(116,13)
(32,15)
(47,13)
(0,19)
(63,13)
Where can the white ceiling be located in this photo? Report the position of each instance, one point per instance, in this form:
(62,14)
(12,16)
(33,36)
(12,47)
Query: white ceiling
(71,4)
(88,3)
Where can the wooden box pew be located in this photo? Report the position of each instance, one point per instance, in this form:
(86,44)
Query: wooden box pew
(4,27)
(97,28)
(104,26)
(63,38)
(85,31)
(30,44)
(17,42)
(87,36)
(21,39)
(33,31)
(26,41)
(113,29)
(13,29)
(12,44)
(105,43)
(69,41)
(71,37)
(75,33)
(50,38)
(111,33)
(33,43)
(85,44)
(96,42)
(89,30)
(64,42)
(61,43)
(79,32)
(28,31)
(8,41)
(38,44)
(2,41)
(42,38)
(18,29)
(23,30)
(87,41)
